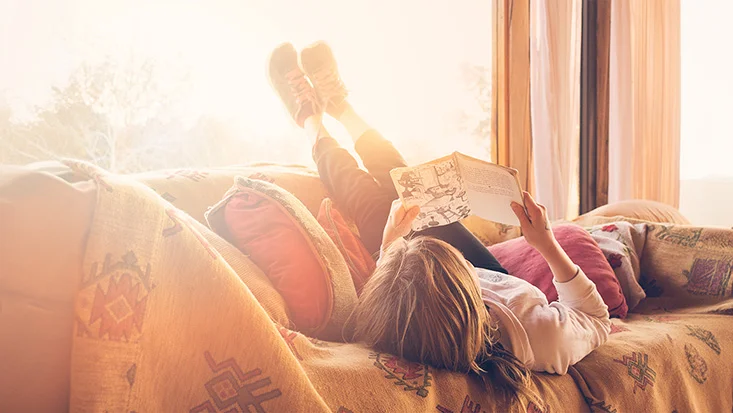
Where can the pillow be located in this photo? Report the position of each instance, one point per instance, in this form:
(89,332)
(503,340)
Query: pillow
(489,232)
(637,209)
(360,262)
(685,266)
(622,244)
(523,261)
(282,237)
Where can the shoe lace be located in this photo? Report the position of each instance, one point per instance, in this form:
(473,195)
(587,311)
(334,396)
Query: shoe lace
(300,87)
(329,83)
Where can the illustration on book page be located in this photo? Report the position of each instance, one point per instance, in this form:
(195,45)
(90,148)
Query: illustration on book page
(438,189)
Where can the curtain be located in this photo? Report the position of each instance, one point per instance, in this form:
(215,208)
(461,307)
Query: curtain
(555,103)
(511,131)
(593,175)
(644,101)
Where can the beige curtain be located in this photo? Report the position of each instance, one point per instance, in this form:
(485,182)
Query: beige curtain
(555,28)
(511,130)
(644,101)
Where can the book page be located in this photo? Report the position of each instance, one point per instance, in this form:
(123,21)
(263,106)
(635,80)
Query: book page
(491,188)
(437,188)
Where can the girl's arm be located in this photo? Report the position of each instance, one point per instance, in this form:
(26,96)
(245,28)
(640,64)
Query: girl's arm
(537,232)
(398,224)
(563,332)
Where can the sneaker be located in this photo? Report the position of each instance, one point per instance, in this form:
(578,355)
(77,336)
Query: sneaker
(320,66)
(290,83)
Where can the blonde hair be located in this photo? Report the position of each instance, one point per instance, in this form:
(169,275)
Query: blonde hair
(423,304)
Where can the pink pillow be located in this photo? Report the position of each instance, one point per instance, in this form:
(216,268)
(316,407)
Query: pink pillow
(523,261)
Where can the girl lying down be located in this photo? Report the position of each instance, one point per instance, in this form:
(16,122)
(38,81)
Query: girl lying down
(438,296)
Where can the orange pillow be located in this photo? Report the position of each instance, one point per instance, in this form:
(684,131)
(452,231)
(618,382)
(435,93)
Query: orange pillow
(275,242)
(282,237)
(361,264)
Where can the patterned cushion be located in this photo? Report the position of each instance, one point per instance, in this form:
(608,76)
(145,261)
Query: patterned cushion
(622,244)
(686,264)
(283,238)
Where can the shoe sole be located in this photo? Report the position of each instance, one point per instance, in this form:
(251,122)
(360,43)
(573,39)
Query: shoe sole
(283,106)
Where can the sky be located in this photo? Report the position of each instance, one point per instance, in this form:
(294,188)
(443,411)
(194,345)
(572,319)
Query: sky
(707,89)
(400,60)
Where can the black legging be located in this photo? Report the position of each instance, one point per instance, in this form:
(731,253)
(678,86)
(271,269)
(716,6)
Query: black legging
(367,197)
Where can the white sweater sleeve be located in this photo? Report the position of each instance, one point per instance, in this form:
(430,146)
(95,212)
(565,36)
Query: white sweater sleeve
(563,332)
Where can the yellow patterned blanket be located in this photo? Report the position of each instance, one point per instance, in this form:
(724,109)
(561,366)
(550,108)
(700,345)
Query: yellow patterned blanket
(171,319)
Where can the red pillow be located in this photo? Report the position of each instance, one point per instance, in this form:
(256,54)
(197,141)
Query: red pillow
(523,261)
(360,262)
(262,228)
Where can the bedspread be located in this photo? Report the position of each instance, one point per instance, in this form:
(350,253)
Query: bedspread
(164,323)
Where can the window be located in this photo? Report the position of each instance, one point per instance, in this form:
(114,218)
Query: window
(706,168)
(153,84)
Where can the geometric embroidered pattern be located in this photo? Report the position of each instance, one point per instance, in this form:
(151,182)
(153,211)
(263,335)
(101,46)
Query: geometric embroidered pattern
(503,228)
(705,336)
(92,171)
(234,391)
(112,301)
(661,318)
(413,376)
(686,237)
(637,367)
(176,227)
(600,406)
(289,337)
(180,220)
(131,374)
(191,174)
(262,177)
(709,277)
(698,367)
(168,197)
(468,407)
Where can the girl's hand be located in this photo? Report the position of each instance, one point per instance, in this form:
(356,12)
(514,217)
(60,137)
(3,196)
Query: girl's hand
(399,222)
(535,225)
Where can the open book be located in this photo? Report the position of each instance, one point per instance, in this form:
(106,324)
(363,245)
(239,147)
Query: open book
(453,187)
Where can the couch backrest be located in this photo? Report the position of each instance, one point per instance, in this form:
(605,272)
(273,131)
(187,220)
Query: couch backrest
(44,222)
(195,190)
